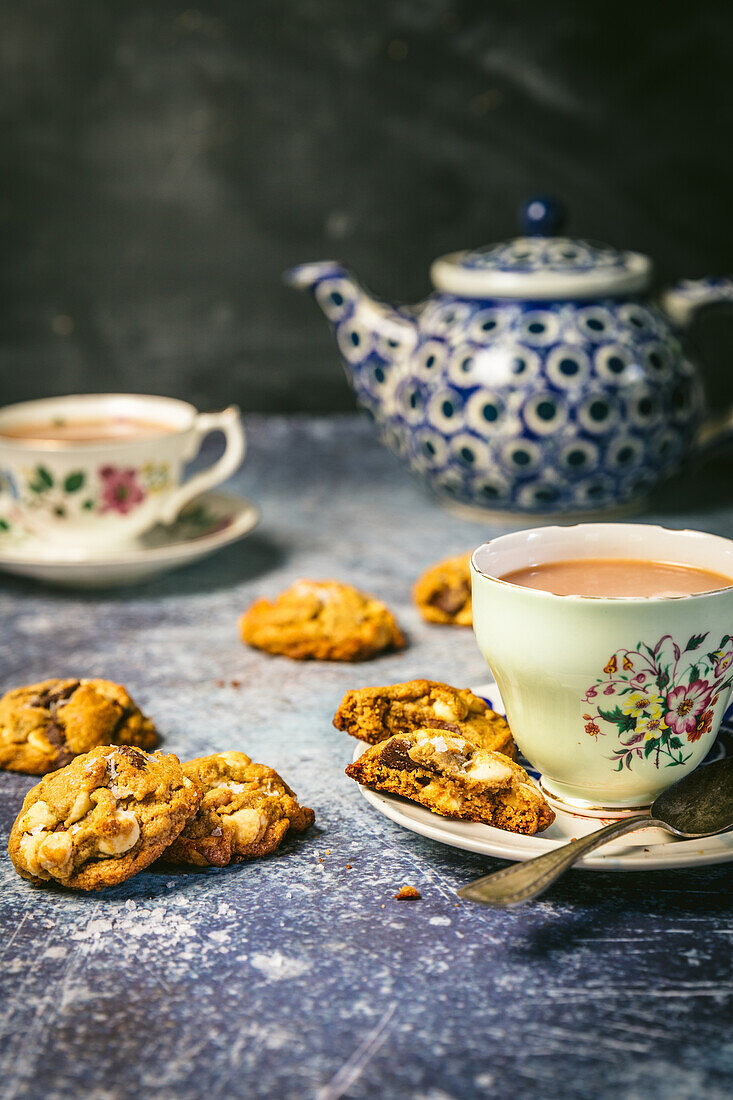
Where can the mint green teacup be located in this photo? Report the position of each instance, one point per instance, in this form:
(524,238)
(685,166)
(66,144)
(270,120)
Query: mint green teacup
(613,699)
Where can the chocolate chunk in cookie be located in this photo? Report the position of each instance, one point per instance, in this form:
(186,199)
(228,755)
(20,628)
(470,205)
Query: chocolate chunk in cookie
(374,714)
(44,726)
(102,818)
(322,620)
(246,811)
(443,592)
(455,778)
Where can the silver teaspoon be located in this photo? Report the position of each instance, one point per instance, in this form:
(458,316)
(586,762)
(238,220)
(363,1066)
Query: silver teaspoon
(699,805)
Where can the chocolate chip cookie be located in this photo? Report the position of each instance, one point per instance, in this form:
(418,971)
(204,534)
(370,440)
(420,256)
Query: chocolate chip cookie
(102,818)
(246,811)
(321,620)
(454,778)
(443,592)
(374,714)
(44,726)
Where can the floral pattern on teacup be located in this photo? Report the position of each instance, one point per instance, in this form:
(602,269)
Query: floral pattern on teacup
(108,489)
(121,490)
(658,700)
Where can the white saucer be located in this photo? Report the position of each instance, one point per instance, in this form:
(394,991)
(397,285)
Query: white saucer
(211,521)
(643,850)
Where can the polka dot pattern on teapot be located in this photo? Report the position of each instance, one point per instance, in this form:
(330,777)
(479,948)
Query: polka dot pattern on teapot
(531,407)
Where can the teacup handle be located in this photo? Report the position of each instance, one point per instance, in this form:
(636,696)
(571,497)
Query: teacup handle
(229,422)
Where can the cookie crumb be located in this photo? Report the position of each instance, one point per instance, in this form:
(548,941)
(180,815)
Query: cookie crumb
(348,866)
(408,893)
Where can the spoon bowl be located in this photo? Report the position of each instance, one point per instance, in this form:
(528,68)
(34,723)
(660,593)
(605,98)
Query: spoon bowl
(699,805)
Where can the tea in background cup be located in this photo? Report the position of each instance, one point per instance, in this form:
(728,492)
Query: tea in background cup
(89,471)
(612,697)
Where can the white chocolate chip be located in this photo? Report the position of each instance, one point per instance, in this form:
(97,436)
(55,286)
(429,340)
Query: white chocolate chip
(228,785)
(38,740)
(39,814)
(248,825)
(438,743)
(82,805)
(444,710)
(485,768)
(50,852)
(29,845)
(125,837)
(55,852)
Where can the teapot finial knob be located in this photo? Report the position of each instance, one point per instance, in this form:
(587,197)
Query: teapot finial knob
(542,216)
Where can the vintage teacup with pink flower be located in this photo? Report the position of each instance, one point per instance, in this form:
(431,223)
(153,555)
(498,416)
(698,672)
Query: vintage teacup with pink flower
(612,697)
(87,472)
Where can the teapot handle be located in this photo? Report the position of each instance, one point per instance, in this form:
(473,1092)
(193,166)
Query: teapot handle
(681,302)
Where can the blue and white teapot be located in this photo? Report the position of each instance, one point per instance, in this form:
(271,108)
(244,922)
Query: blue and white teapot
(537,378)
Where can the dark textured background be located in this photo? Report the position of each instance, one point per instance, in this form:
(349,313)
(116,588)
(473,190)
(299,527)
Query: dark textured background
(161,164)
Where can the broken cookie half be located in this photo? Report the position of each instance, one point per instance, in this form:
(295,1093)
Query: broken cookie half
(455,778)
(376,713)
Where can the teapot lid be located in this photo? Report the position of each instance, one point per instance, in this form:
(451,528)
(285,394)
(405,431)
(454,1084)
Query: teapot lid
(540,265)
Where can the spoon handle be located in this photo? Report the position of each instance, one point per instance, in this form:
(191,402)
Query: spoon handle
(523,881)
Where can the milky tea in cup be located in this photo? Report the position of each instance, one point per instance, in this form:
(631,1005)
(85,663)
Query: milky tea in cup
(611,647)
(90,472)
(58,431)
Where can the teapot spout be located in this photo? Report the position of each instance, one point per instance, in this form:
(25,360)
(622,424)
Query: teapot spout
(309,276)
(362,324)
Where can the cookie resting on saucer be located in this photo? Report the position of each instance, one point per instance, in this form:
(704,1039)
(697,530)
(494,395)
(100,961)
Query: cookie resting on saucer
(373,714)
(443,592)
(246,811)
(102,818)
(449,775)
(323,621)
(44,726)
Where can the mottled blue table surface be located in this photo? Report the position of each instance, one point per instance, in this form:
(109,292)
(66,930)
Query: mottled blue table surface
(296,976)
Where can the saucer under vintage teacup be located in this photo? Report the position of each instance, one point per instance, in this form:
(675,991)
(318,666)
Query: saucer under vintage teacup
(645,850)
(612,698)
(207,524)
